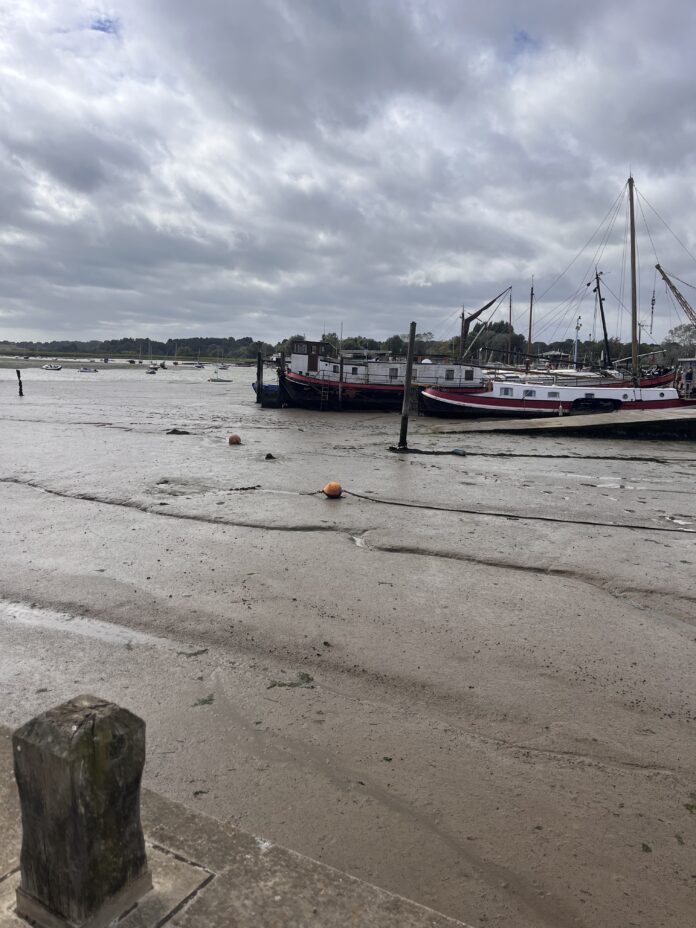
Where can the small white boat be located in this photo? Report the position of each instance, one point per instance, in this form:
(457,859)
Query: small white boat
(52,367)
(151,370)
(218,379)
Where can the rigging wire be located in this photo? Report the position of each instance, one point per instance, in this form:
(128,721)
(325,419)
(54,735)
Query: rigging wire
(685,282)
(639,198)
(567,309)
(613,206)
(669,229)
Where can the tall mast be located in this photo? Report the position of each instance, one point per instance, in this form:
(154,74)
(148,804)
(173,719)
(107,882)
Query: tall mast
(529,339)
(634,288)
(509,340)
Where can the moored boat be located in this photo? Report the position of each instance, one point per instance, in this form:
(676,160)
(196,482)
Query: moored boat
(551,395)
(535,400)
(318,376)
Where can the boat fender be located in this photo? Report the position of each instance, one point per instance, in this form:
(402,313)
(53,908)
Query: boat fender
(333,490)
(234,440)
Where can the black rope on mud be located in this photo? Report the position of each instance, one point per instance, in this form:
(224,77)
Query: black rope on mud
(526,518)
(460,452)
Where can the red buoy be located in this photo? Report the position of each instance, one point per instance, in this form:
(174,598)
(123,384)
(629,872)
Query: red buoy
(333,490)
(234,440)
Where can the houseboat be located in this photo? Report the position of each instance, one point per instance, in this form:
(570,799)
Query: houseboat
(317,375)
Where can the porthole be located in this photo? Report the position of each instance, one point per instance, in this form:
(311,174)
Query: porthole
(625,396)
(661,394)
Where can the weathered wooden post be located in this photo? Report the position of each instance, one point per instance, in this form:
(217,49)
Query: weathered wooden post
(259,377)
(405,408)
(78,769)
(19,378)
(340,382)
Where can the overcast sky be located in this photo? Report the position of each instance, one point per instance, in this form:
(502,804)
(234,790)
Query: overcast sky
(266,167)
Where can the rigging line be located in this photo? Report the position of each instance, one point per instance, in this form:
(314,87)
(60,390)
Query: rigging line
(563,273)
(523,518)
(564,312)
(675,313)
(444,322)
(685,282)
(665,224)
(617,298)
(640,207)
(596,258)
(622,279)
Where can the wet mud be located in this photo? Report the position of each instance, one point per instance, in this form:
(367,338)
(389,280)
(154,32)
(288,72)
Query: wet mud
(470,680)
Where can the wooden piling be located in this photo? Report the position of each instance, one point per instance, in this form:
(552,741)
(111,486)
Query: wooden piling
(259,377)
(403,434)
(19,378)
(340,382)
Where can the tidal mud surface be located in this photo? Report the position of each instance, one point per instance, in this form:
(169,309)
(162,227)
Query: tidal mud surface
(491,704)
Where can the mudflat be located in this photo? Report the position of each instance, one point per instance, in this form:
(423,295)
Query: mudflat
(470,680)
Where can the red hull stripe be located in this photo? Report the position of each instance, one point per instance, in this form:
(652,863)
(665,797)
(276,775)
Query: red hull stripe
(513,405)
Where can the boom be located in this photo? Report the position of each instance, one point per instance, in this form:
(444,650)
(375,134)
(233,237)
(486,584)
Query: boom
(685,305)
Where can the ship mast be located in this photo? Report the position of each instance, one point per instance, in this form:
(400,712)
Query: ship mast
(600,302)
(529,339)
(634,289)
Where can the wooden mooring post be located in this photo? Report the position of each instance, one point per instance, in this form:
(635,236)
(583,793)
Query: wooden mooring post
(259,377)
(403,434)
(78,769)
(19,378)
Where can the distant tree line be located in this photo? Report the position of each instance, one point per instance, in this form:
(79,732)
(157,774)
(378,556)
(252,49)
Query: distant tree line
(185,348)
(485,342)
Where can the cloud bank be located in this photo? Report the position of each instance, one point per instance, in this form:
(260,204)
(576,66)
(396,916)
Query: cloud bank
(264,167)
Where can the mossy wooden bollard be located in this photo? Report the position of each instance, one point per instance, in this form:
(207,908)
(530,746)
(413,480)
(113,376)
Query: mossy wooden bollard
(78,769)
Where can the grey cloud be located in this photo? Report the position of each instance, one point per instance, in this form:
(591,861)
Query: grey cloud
(258,167)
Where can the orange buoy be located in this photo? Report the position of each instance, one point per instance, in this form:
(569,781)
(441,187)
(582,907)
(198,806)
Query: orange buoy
(333,490)
(234,440)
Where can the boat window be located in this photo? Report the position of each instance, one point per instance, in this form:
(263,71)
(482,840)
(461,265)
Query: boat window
(529,393)
(393,372)
(589,396)
(335,368)
(507,391)
(449,374)
(553,394)
(625,396)
(300,348)
(354,370)
(469,374)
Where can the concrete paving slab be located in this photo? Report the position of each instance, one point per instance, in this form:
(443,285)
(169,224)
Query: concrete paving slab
(174,883)
(208,873)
